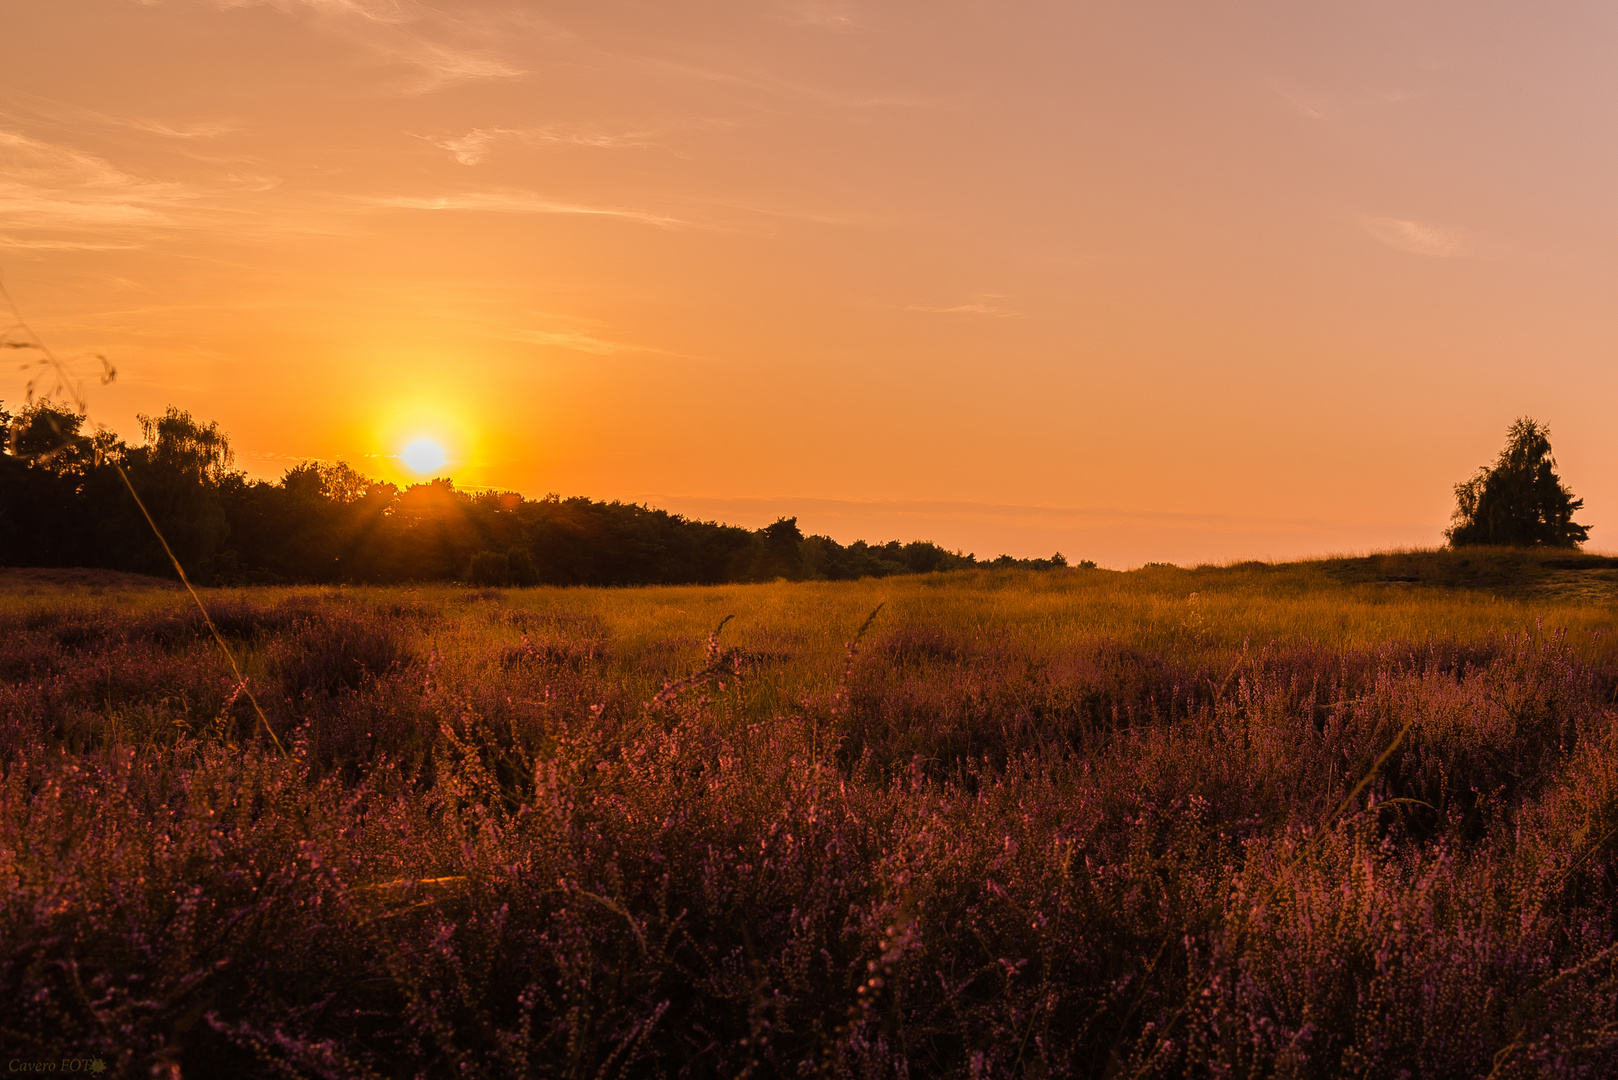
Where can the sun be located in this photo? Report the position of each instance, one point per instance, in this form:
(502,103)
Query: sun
(418,438)
(424,456)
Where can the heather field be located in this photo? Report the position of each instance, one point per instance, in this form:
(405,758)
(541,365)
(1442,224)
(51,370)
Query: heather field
(1343,818)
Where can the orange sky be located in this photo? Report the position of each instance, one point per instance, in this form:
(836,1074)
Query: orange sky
(1139,281)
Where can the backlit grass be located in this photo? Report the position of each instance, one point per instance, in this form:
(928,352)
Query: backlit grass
(1312,820)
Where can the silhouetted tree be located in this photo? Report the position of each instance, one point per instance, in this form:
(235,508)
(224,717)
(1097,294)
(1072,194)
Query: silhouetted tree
(1519,501)
(782,554)
(45,478)
(178,473)
(53,438)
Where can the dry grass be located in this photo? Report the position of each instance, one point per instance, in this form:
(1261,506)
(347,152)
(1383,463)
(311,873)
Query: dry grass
(1255,821)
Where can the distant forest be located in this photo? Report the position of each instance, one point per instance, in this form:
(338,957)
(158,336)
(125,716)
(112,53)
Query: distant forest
(62,503)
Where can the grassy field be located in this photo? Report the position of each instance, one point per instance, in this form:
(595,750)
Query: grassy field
(1347,817)
(646,635)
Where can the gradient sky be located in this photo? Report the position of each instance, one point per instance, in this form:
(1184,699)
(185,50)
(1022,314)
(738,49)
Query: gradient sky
(1135,280)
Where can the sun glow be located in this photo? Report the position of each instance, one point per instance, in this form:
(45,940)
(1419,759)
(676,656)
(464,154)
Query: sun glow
(415,439)
(424,456)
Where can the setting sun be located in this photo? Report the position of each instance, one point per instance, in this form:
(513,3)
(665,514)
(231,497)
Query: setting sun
(424,456)
(414,437)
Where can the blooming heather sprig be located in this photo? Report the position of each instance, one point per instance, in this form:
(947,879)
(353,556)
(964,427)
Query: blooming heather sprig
(1106,861)
(718,662)
(851,652)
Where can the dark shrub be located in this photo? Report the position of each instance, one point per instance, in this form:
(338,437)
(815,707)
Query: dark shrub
(922,645)
(336,650)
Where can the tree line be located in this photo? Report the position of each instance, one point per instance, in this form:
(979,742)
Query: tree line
(63,503)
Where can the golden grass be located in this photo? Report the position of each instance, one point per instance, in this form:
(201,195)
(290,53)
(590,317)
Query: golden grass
(797,630)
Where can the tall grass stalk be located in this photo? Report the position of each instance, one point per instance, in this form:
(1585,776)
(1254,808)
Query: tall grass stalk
(65,384)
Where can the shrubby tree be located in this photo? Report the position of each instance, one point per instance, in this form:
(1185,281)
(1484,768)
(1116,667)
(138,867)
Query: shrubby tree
(1519,501)
(320,523)
(178,472)
(783,551)
(51,438)
(47,477)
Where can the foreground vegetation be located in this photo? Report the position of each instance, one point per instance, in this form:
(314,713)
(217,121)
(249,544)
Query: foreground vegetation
(1349,818)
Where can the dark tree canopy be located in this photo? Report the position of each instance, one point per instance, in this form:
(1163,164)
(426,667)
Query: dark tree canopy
(1519,501)
(63,503)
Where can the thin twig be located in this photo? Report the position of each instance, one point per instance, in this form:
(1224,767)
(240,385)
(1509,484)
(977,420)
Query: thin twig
(65,383)
(241,680)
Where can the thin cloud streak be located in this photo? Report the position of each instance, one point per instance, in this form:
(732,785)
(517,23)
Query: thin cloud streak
(574,333)
(834,15)
(476,145)
(49,187)
(784,88)
(1418,238)
(52,194)
(505,201)
(446,64)
(27,109)
(202,130)
(967,309)
(24,244)
(378,11)
(575,340)
(516,202)
(387,27)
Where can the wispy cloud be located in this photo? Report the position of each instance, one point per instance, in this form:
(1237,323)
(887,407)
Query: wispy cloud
(476,145)
(514,202)
(45,187)
(768,84)
(577,340)
(572,332)
(32,243)
(60,197)
(444,48)
(443,64)
(979,306)
(1418,238)
(1314,106)
(55,196)
(386,12)
(821,14)
(204,129)
(1317,106)
(22,111)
